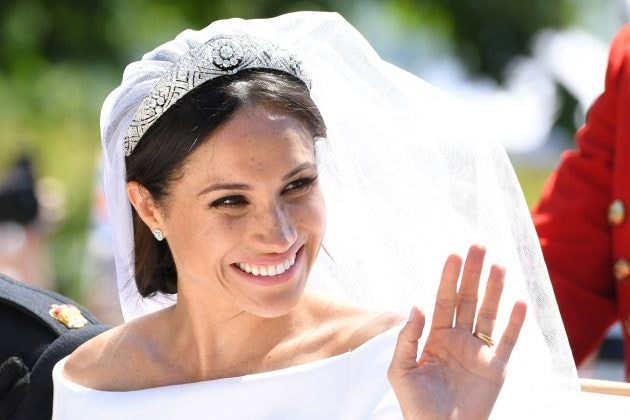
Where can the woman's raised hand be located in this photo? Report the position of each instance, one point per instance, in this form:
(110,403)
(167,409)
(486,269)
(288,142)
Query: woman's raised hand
(459,374)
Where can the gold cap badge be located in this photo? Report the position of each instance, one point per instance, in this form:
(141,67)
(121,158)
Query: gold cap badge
(68,315)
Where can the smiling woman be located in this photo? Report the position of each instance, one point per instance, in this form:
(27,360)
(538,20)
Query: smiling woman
(217,161)
(246,197)
(211,118)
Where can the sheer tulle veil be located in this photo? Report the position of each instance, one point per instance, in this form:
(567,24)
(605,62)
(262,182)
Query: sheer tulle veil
(408,178)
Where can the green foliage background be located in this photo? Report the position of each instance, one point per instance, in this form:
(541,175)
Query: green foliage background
(59,59)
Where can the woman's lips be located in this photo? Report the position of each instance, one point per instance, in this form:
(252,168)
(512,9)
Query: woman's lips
(270,274)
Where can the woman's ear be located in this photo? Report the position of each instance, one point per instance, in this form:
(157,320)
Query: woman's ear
(145,206)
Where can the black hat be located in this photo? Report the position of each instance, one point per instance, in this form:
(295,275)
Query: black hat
(37,329)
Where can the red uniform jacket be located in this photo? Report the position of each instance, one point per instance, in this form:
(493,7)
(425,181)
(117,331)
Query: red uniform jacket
(581,217)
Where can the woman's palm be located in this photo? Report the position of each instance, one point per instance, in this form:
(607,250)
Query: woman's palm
(457,375)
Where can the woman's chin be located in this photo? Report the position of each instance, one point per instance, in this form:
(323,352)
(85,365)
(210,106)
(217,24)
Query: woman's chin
(277,305)
(274,303)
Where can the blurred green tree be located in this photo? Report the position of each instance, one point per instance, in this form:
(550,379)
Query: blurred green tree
(487,34)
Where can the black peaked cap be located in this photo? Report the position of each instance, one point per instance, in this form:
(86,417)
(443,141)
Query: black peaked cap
(31,343)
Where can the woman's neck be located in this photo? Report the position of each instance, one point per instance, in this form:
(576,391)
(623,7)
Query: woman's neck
(220,342)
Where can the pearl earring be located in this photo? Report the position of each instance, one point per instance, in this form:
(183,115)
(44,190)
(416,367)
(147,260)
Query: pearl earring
(158,234)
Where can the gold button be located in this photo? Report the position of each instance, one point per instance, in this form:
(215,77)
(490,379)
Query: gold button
(622,269)
(616,213)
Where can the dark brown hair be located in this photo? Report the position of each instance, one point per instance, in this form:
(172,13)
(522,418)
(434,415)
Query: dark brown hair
(159,157)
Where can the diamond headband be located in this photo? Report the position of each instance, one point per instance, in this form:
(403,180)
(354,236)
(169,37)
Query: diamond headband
(219,56)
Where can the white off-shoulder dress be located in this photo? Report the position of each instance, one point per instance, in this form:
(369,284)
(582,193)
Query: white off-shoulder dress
(352,385)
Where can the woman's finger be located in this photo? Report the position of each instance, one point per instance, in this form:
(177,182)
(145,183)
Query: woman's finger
(468,290)
(489,307)
(510,336)
(447,294)
(406,351)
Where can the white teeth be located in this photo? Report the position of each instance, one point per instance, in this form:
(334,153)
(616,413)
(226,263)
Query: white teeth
(267,270)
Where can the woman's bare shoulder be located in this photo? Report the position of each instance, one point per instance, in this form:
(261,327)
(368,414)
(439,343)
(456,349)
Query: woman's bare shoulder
(87,364)
(104,362)
(366,324)
(355,325)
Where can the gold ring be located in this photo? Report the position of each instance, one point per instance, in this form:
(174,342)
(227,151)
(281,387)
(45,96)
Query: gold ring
(487,340)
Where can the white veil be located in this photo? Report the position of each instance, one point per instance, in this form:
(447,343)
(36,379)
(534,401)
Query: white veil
(407,178)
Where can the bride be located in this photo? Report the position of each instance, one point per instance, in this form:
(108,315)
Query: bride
(219,148)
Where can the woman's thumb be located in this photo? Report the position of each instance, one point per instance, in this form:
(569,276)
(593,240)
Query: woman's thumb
(406,352)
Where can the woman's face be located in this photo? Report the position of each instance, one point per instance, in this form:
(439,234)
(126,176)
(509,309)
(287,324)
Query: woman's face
(245,221)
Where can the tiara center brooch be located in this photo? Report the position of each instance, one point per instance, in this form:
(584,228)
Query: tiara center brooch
(226,54)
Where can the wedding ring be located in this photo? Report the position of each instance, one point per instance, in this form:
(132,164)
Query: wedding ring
(488,341)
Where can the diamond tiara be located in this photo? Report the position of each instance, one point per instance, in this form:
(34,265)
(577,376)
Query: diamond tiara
(219,56)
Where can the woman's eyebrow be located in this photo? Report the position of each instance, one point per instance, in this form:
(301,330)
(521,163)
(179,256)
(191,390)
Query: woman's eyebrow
(225,186)
(298,169)
(245,187)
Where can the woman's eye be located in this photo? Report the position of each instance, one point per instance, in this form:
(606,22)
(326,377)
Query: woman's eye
(301,184)
(231,201)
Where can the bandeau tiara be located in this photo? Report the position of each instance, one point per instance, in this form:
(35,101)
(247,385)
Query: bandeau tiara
(219,56)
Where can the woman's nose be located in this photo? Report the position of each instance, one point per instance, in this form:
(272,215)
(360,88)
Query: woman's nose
(275,229)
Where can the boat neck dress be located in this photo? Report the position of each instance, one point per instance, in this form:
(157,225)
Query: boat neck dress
(352,385)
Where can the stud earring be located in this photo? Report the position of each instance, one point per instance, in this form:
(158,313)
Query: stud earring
(158,234)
